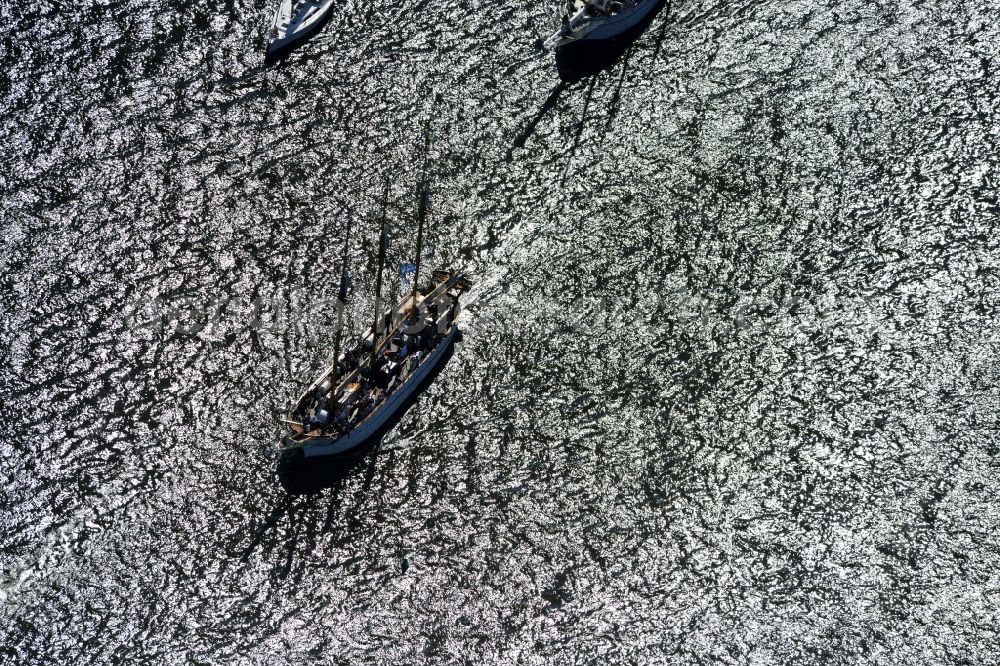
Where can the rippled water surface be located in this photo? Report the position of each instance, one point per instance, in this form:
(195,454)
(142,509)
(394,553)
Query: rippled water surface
(728,387)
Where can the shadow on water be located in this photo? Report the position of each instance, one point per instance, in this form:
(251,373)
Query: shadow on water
(550,103)
(284,508)
(291,509)
(299,475)
(663,32)
(579,132)
(588,58)
(585,60)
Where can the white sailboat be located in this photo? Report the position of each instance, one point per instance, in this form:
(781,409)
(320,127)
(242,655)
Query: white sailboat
(294,21)
(594,20)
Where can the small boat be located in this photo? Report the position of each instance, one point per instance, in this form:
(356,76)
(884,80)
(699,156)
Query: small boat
(352,402)
(294,21)
(596,20)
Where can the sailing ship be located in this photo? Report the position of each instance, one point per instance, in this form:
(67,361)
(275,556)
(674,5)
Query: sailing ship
(294,21)
(352,402)
(596,20)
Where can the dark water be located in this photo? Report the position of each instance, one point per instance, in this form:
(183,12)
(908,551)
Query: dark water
(728,388)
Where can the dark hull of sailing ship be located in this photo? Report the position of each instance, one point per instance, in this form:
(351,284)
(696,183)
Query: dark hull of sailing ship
(298,473)
(366,387)
(350,405)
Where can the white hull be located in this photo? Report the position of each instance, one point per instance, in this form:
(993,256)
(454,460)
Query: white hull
(326,446)
(604,27)
(296,20)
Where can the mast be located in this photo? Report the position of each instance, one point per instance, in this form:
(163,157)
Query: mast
(383,245)
(421,215)
(342,295)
